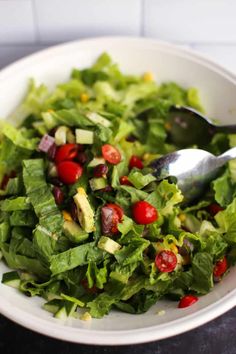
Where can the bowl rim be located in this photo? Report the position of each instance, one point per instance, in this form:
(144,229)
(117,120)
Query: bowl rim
(118,337)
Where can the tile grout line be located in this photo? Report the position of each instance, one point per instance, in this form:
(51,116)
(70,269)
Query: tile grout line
(190,43)
(36,25)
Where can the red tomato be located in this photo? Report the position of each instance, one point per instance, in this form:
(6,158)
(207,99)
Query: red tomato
(66,152)
(135,161)
(111,214)
(166,261)
(220,267)
(144,213)
(111,154)
(214,208)
(124,181)
(187,300)
(4,182)
(69,172)
(93,290)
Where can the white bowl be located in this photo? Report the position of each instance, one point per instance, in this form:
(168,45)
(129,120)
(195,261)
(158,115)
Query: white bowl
(168,62)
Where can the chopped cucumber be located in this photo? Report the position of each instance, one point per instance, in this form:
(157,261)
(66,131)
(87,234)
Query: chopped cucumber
(74,232)
(70,138)
(66,310)
(52,170)
(40,127)
(4,231)
(61,314)
(107,244)
(52,306)
(84,136)
(96,161)
(60,135)
(98,183)
(11,279)
(98,119)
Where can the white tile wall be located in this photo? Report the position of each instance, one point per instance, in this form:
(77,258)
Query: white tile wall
(201,21)
(64,20)
(16,21)
(208,26)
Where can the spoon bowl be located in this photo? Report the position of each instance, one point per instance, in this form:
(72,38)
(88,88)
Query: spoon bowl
(186,127)
(194,169)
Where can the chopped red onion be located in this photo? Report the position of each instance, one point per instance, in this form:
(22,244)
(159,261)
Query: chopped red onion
(46,143)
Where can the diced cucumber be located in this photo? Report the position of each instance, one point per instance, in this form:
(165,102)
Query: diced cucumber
(74,232)
(84,136)
(96,161)
(40,127)
(11,279)
(60,135)
(4,231)
(52,306)
(52,170)
(61,314)
(107,244)
(98,119)
(66,310)
(70,138)
(98,183)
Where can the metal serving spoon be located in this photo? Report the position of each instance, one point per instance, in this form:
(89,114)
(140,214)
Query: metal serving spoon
(193,168)
(186,126)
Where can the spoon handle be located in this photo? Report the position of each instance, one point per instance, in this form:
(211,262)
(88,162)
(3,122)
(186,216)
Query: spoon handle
(227,156)
(228,129)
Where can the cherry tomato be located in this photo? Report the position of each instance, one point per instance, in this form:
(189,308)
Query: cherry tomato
(4,182)
(66,152)
(69,172)
(144,213)
(111,214)
(6,178)
(214,208)
(135,161)
(166,261)
(124,181)
(93,290)
(111,154)
(220,267)
(187,300)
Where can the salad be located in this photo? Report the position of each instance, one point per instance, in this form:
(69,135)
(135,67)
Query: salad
(83,222)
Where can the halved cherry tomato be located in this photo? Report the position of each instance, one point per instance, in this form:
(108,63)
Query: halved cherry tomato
(214,208)
(135,161)
(4,181)
(124,181)
(6,178)
(93,290)
(187,300)
(220,267)
(112,214)
(66,152)
(166,261)
(111,154)
(144,213)
(69,172)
